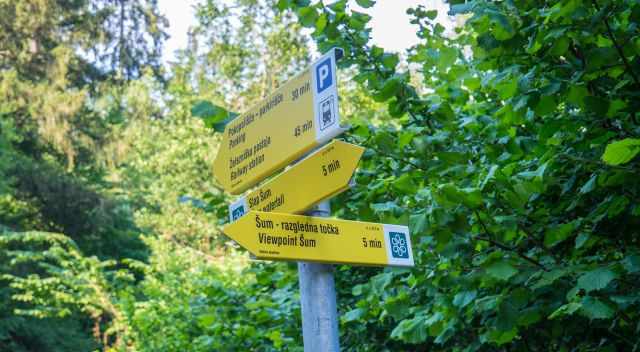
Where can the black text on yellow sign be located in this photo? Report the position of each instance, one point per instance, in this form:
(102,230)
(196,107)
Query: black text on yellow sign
(321,175)
(277,236)
(299,116)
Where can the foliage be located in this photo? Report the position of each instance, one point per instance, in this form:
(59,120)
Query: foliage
(621,152)
(508,144)
(109,37)
(163,172)
(522,236)
(56,60)
(7,154)
(65,283)
(200,307)
(99,156)
(54,54)
(241,50)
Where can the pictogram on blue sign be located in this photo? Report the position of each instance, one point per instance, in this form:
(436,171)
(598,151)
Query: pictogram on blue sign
(399,248)
(324,76)
(237,213)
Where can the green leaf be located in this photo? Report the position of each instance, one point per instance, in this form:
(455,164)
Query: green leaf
(206,320)
(213,116)
(365,3)
(472,83)
(501,270)
(396,109)
(529,316)
(596,279)
(535,44)
(411,330)
(566,309)
(381,281)
(590,185)
(615,107)
(405,139)
(621,152)
(358,20)
(357,290)
(617,206)
(581,239)
(546,105)
(417,223)
(559,46)
(431,14)
(562,9)
(600,57)
(450,195)
(507,88)
(462,299)
(354,314)
(283,4)
(405,184)
(500,337)
(339,6)
(502,28)
(390,61)
(472,197)
(597,105)
(308,16)
(384,207)
(442,111)
(577,95)
(507,316)
(321,23)
(631,263)
(276,337)
(594,308)
(558,234)
(398,306)
(388,90)
(537,174)
(203,109)
(549,277)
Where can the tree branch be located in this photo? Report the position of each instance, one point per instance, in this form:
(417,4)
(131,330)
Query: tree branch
(397,158)
(596,162)
(503,246)
(617,45)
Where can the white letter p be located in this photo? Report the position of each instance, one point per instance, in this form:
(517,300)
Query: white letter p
(324,73)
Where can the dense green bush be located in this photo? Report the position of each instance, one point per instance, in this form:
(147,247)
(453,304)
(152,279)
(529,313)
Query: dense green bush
(192,304)
(526,235)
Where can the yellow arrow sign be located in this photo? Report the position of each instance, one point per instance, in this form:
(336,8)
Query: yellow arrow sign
(279,236)
(297,117)
(323,174)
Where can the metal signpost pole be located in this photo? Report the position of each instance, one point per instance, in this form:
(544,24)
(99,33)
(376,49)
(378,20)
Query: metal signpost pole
(318,300)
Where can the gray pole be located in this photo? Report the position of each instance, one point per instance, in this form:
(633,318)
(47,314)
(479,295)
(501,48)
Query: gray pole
(318,300)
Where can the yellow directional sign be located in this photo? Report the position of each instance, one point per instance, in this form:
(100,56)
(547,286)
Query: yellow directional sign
(299,116)
(279,236)
(323,174)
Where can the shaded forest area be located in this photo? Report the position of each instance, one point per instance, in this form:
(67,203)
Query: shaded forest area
(509,145)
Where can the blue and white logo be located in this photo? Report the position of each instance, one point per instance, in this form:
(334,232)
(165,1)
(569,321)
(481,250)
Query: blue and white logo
(324,76)
(237,213)
(399,248)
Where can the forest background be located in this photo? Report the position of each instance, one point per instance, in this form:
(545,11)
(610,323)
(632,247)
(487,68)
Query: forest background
(509,146)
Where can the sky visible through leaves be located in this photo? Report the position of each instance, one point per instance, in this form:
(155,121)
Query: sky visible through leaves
(390,22)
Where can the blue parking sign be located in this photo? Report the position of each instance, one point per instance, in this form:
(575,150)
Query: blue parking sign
(324,76)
